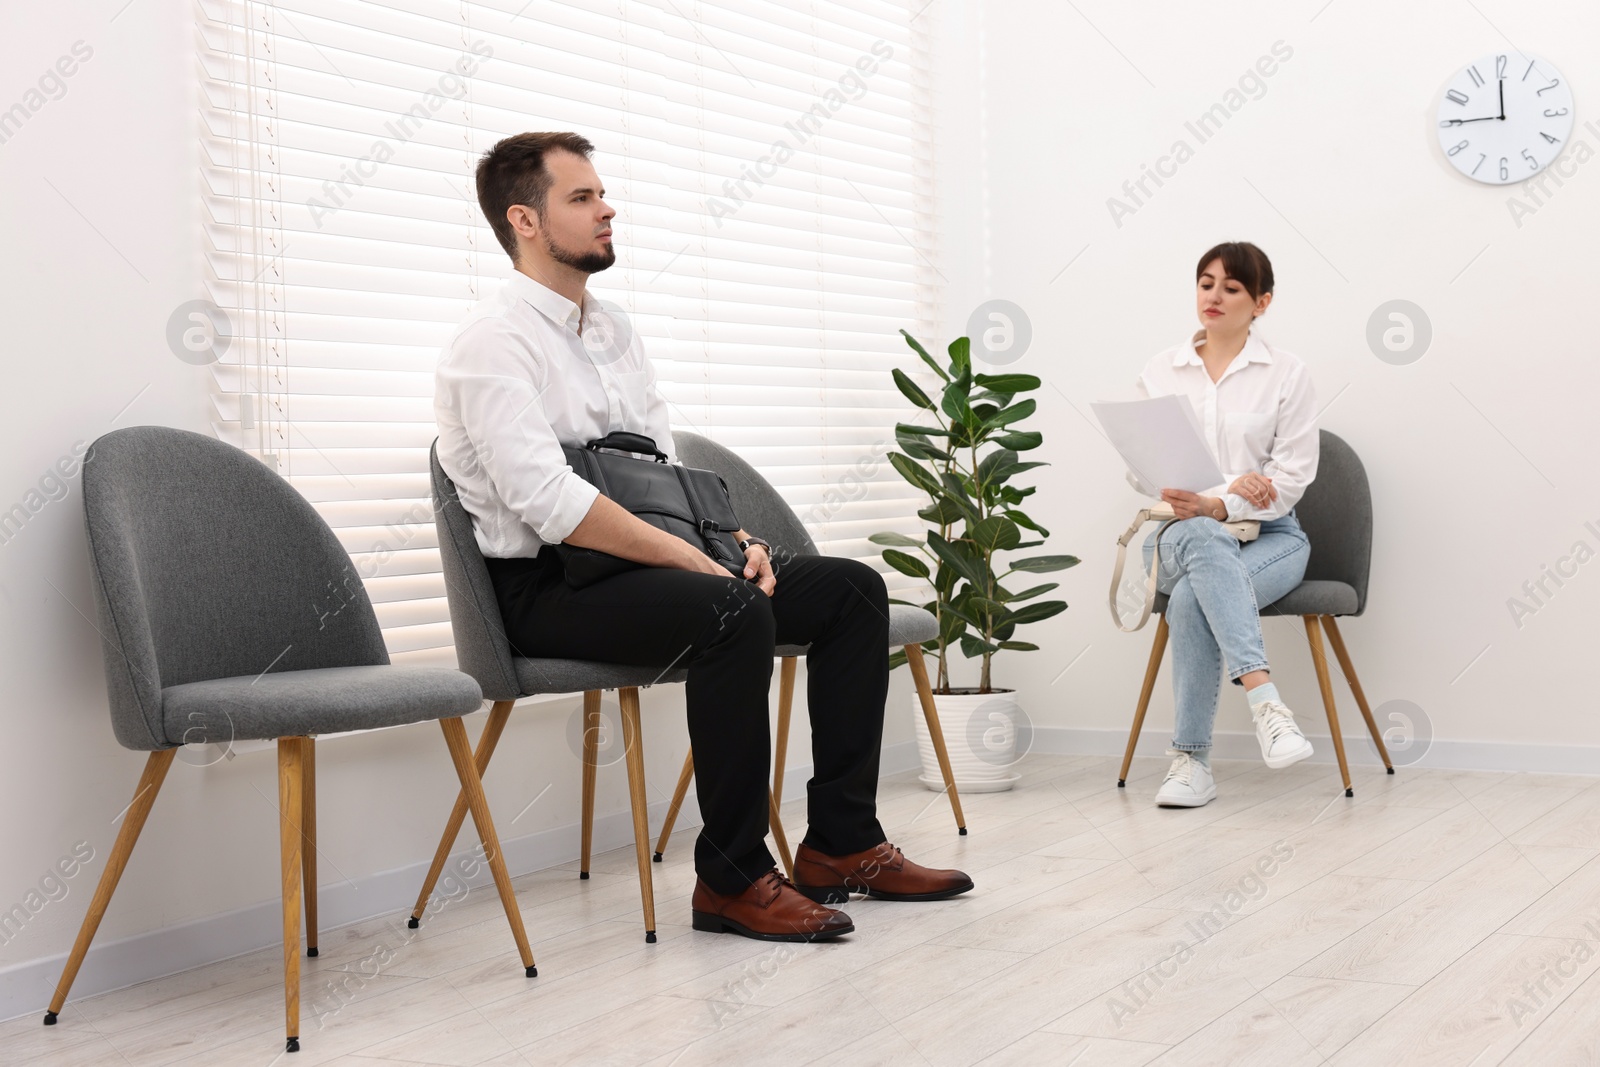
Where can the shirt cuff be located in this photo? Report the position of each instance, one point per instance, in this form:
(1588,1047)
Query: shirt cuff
(1237,506)
(573,501)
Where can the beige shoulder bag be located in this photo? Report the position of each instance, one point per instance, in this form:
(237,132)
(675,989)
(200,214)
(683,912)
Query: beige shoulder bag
(1244,530)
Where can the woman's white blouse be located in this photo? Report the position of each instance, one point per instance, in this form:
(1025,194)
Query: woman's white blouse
(1260,416)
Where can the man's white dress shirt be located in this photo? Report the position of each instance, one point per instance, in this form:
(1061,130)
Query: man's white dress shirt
(516,382)
(1260,416)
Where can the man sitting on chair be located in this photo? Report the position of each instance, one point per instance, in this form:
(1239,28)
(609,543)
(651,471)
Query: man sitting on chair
(518,380)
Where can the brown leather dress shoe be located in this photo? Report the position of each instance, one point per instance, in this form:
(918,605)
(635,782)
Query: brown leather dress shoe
(882,872)
(770,910)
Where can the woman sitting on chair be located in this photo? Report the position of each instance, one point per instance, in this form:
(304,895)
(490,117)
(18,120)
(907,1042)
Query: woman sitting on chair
(1258,416)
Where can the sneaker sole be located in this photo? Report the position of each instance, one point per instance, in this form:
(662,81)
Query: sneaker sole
(1187,802)
(716,924)
(838,894)
(1286,761)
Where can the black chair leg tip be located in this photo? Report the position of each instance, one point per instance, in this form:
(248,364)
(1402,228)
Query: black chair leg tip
(49,1018)
(962,830)
(293,1045)
(1349,792)
(312,951)
(657,857)
(583,876)
(649,937)
(1122,783)
(532,972)
(412,924)
(1391,770)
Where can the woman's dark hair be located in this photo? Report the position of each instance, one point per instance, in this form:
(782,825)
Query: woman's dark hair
(513,172)
(1244,263)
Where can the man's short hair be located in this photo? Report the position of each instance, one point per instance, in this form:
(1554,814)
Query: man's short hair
(513,172)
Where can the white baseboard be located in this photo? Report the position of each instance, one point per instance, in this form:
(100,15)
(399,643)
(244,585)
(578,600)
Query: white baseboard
(25,988)
(1439,755)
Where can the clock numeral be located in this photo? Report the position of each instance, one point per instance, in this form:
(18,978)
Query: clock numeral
(1551,114)
(1457,95)
(1500,66)
(1504,172)
(1547,137)
(1529,71)
(1475,166)
(1477,79)
(1553,83)
(1453,149)
(1533,164)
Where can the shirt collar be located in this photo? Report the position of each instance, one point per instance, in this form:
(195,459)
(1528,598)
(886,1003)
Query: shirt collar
(1255,351)
(552,305)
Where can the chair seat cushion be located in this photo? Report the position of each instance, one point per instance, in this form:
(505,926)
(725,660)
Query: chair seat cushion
(908,625)
(536,676)
(1316,598)
(324,701)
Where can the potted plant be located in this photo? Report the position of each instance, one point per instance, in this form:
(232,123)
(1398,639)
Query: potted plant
(965,462)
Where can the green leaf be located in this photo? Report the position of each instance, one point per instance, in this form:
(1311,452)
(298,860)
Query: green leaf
(924,431)
(1029,544)
(951,626)
(1014,413)
(1040,564)
(955,490)
(979,607)
(942,512)
(1029,594)
(922,449)
(961,356)
(906,564)
(954,403)
(1020,440)
(1015,646)
(994,534)
(1037,612)
(1008,383)
(916,474)
(961,559)
(916,346)
(1022,520)
(897,658)
(899,540)
(997,466)
(973,647)
(912,391)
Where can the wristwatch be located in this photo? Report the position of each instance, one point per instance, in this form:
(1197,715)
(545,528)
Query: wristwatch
(744,546)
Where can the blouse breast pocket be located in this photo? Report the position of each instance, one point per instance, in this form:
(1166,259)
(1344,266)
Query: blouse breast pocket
(1249,439)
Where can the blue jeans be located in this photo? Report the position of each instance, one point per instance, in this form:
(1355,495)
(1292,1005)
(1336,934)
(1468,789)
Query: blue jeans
(1216,586)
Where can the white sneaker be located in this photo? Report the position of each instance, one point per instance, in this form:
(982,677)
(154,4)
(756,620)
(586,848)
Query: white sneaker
(1188,784)
(1281,741)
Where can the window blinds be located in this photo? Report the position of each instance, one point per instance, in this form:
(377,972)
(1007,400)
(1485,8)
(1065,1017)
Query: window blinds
(771,164)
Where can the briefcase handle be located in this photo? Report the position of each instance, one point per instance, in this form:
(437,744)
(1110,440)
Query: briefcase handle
(626,441)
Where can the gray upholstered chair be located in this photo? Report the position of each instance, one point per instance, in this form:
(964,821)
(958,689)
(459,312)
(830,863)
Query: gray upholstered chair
(228,611)
(484,652)
(1336,514)
(763,511)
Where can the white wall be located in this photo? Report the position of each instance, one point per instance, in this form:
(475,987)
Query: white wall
(1481,454)
(99,222)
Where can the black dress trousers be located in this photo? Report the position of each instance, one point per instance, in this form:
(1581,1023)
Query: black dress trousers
(723,631)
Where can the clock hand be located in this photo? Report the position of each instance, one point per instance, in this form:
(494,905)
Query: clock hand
(1459,122)
(1502,98)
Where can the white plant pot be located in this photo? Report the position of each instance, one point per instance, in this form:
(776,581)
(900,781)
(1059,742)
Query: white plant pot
(981,734)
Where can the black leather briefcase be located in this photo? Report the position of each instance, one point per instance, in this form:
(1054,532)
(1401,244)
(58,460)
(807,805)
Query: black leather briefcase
(686,502)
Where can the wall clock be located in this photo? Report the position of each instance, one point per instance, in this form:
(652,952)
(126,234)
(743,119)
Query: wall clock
(1505,117)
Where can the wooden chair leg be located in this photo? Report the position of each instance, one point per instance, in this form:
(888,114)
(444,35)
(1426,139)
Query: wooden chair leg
(778,835)
(1337,641)
(144,797)
(455,736)
(1157,649)
(486,743)
(291,779)
(308,831)
(919,676)
(633,746)
(678,794)
(591,748)
(1320,660)
(785,708)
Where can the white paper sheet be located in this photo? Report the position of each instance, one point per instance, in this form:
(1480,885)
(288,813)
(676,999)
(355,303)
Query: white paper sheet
(1159,439)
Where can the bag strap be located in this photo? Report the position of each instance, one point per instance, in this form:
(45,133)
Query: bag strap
(628,441)
(1139,520)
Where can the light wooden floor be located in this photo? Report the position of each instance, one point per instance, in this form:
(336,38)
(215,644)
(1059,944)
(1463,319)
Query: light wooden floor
(1438,918)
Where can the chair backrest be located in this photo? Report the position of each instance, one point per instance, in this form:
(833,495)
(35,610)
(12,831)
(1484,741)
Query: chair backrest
(482,648)
(759,507)
(1336,514)
(206,564)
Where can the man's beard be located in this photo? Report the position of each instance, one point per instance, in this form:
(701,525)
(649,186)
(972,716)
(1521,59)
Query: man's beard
(588,262)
